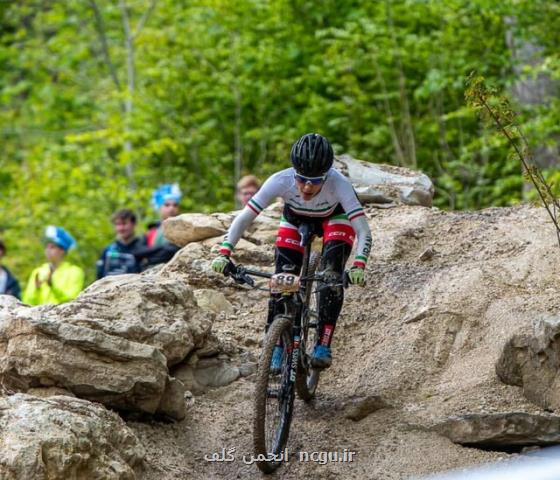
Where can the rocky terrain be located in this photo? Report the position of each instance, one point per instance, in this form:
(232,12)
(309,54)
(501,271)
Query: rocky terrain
(447,358)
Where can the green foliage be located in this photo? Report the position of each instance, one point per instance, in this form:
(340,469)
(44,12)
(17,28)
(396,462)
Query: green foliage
(496,110)
(101,103)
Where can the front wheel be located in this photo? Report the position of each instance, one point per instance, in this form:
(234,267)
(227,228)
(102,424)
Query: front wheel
(274,395)
(308,377)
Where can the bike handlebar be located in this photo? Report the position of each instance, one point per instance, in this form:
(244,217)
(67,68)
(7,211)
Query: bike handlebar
(242,275)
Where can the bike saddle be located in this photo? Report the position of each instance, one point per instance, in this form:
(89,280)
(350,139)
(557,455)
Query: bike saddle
(306,231)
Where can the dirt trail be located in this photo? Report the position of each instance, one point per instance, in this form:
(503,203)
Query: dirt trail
(424,336)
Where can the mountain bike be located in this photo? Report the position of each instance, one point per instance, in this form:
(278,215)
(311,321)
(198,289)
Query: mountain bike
(295,330)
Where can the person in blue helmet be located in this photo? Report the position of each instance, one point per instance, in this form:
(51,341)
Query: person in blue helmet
(57,280)
(8,283)
(165,201)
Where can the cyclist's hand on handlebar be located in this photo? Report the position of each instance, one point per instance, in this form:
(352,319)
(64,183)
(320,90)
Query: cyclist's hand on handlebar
(356,276)
(220,263)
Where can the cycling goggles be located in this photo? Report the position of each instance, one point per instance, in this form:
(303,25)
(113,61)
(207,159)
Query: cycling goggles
(312,180)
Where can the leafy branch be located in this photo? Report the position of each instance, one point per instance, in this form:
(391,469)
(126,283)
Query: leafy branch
(496,109)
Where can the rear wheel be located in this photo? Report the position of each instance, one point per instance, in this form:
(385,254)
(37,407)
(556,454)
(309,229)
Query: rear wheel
(308,377)
(274,395)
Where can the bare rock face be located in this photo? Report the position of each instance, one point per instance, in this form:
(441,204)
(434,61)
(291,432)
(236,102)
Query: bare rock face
(502,430)
(9,303)
(194,227)
(201,375)
(192,263)
(152,310)
(359,408)
(112,345)
(245,251)
(213,301)
(64,438)
(385,183)
(531,360)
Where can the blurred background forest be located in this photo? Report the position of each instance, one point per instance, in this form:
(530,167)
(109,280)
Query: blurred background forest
(102,100)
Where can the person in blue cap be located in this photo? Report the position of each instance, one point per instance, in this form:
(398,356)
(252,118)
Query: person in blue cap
(165,201)
(56,281)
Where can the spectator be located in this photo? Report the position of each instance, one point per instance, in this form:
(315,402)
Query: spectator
(165,201)
(246,188)
(56,281)
(124,254)
(8,283)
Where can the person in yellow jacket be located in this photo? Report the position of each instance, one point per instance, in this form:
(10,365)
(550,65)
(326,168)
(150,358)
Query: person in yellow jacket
(56,281)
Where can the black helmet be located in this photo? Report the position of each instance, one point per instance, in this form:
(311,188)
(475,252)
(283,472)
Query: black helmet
(312,155)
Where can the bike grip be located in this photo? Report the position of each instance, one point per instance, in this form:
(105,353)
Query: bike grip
(230,269)
(247,279)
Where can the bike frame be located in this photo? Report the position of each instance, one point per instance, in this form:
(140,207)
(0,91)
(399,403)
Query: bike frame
(292,320)
(293,305)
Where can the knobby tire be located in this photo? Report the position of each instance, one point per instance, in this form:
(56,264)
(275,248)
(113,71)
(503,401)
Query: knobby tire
(270,435)
(307,377)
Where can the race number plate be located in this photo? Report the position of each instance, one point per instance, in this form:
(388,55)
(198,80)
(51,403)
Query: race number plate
(284,283)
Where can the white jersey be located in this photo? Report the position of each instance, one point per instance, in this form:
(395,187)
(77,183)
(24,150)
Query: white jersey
(336,190)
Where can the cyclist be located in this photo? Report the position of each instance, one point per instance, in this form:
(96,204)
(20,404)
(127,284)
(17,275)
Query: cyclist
(316,193)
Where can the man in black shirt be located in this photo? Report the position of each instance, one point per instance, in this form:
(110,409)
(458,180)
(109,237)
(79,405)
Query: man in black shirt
(125,254)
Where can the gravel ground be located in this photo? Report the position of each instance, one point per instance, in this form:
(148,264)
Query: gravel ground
(445,291)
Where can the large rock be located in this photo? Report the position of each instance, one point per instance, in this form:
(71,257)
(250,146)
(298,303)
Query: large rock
(200,375)
(245,251)
(194,227)
(386,183)
(113,344)
(9,304)
(192,264)
(213,301)
(531,360)
(64,438)
(189,228)
(154,310)
(502,430)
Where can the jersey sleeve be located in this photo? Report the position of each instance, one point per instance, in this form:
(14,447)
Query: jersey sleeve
(355,212)
(271,189)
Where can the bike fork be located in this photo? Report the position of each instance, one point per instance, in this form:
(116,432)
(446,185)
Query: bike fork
(289,380)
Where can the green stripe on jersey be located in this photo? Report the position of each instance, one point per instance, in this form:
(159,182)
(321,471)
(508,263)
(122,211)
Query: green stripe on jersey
(356,210)
(252,202)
